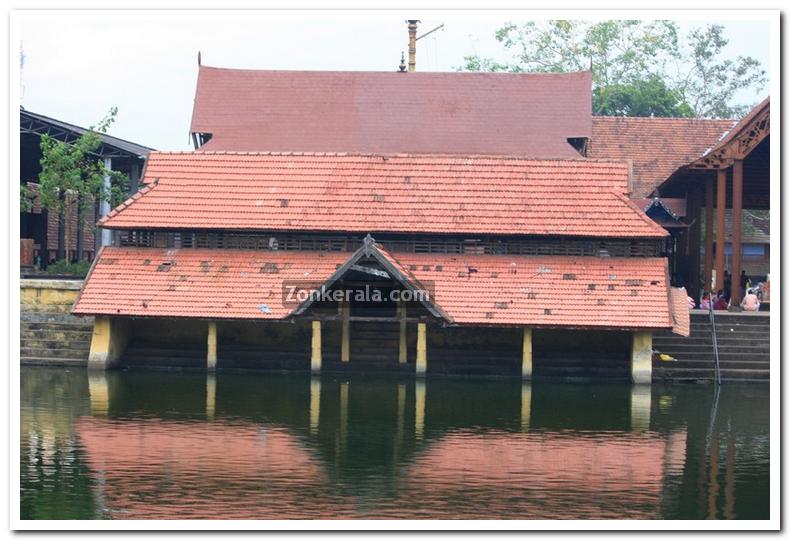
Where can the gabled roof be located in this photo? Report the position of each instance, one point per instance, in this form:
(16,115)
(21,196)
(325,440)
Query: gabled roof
(542,291)
(531,115)
(31,122)
(383,193)
(657,147)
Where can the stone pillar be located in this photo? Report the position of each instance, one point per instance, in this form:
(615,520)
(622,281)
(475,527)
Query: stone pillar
(641,356)
(722,191)
(315,352)
(211,343)
(402,333)
(421,360)
(108,343)
(736,234)
(640,407)
(527,353)
(707,249)
(345,313)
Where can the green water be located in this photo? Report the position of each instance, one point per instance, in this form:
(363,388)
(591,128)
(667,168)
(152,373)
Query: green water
(140,445)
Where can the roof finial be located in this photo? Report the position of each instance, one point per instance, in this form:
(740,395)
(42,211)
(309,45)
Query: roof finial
(402,65)
(198,58)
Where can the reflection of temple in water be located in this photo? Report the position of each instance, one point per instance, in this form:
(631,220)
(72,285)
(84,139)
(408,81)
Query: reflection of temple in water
(317,441)
(275,447)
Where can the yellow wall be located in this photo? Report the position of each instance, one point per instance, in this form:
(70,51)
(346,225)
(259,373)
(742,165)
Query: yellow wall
(48,295)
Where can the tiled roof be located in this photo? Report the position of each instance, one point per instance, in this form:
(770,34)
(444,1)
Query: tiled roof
(383,193)
(201,283)
(529,115)
(546,290)
(584,292)
(656,146)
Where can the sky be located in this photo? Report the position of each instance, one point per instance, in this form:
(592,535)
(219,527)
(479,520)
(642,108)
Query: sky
(76,69)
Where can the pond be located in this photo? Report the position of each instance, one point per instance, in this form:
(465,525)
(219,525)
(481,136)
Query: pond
(184,445)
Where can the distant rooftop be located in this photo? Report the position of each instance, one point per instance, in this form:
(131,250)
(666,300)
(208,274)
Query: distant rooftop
(112,147)
(530,115)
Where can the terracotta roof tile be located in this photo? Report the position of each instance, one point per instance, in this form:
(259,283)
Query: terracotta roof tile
(656,146)
(384,193)
(546,290)
(584,292)
(201,283)
(467,113)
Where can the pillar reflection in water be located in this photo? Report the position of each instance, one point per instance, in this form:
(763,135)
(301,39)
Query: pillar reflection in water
(315,403)
(344,414)
(527,398)
(401,406)
(420,408)
(640,407)
(211,396)
(99,393)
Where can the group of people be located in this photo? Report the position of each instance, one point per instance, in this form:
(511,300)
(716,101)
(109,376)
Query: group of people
(751,301)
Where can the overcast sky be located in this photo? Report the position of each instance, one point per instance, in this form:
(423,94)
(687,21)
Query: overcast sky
(76,70)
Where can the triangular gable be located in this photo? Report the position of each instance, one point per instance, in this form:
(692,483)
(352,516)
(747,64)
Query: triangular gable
(656,209)
(370,249)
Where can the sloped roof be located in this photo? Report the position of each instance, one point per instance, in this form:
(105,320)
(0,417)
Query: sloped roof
(657,147)
(31,122)
(529,115)
(383,193)
(552,291)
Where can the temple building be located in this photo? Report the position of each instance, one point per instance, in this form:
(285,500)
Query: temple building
(470,203)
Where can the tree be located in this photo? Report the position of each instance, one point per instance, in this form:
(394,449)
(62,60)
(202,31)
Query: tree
(638,67)
(73,174)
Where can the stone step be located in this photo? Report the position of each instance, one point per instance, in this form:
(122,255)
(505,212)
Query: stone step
(708,374)
(54,353)
(77,345)
(53,361)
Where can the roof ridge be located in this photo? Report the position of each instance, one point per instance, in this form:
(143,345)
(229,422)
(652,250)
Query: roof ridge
(653,118)
(410,74)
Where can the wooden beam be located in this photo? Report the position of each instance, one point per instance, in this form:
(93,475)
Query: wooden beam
(707,254)
(736,234)
(722,176)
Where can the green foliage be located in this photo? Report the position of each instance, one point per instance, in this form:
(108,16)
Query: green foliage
(61,266)
(638,67)
(73,172)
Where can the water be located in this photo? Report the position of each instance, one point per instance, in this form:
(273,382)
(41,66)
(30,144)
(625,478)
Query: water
(144,445)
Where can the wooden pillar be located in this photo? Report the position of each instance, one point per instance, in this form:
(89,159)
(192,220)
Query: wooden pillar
(108,342)
(694,197)
(421,361)
(722,188)
(736,234)
(641,356)
(402,333)
(708,259)
(527,353)
(345,313)
(211,343)
(315,350)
